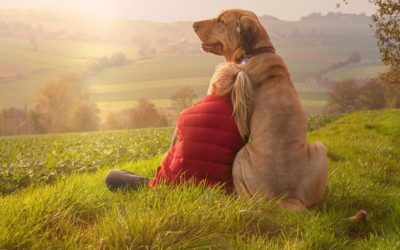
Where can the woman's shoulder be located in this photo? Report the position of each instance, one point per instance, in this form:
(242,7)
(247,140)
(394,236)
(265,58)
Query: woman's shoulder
(211,104)
(214,98)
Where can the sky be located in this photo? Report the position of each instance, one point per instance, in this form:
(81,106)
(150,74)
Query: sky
(189,10)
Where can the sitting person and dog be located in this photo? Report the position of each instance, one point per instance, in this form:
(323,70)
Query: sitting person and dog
(255,85)
(206,139)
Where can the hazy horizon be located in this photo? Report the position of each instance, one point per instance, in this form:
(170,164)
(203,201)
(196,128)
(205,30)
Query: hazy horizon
(176,10)
(122,61)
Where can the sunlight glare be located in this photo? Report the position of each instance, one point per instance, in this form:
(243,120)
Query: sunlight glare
(98,8)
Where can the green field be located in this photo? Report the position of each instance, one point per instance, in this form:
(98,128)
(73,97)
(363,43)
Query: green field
(78,212)
(44,159)
(36,68)
(366,70)
(58,155)
(23,71)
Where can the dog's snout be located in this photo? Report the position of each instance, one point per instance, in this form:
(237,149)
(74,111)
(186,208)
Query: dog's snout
(195,25)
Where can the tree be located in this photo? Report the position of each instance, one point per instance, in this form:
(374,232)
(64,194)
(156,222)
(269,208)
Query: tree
(354,58)
(112,121)
(86,116)
(391,80)
(62,106)
(343,97)
(371,96)
(143,115)
(118,59)
(14,121)
(34,118)
(346,96)
(183,98)
(146,50)
(386,22)
(387,30)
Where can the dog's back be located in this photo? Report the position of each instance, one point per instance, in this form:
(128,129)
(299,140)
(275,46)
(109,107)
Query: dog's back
(278,161)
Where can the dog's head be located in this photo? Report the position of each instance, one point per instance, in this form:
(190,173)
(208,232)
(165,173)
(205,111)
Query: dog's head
(231,34)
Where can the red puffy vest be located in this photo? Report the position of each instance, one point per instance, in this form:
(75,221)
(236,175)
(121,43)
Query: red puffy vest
(207,143)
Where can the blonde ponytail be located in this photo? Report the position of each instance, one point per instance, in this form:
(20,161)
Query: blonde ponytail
(242,100)
(230,79)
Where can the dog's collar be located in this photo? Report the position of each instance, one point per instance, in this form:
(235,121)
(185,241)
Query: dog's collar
(245,58)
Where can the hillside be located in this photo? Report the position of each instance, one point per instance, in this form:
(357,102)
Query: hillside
(79,212)
(36,46)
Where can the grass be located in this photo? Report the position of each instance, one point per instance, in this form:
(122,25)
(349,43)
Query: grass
(80,213)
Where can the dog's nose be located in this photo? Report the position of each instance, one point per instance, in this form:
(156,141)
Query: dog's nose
(195,25)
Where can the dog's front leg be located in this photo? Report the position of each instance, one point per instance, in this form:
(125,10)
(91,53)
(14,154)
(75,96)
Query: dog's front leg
(239,165)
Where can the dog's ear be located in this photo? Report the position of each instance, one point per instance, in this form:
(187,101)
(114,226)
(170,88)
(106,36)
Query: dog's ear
(249,31)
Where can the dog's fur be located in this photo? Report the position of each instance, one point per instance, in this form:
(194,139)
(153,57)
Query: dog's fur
(278,162)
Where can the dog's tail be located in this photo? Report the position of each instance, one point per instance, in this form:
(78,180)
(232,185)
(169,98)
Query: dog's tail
(360,217)
(230,79)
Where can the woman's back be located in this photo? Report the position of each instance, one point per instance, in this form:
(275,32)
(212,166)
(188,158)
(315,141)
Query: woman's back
(208,140)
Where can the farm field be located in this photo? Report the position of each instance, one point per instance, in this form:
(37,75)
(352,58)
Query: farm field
(78,212)
(23,71)
(367,70)
(44,159)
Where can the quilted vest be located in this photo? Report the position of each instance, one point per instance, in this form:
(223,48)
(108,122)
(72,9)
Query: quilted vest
(207,143)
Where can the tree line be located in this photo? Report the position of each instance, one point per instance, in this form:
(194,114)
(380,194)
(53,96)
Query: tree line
(64,106)
(352,95)
(59,106)
(383,91)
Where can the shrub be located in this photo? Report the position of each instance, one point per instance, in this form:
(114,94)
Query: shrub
(346,96)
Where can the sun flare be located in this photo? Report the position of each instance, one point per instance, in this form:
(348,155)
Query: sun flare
(98,8)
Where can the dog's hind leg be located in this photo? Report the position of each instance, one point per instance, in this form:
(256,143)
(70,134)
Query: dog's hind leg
(292,204)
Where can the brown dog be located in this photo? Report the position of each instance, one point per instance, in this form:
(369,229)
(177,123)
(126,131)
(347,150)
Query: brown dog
(278,162)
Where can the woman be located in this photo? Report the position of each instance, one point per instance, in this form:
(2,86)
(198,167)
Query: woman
(207,136)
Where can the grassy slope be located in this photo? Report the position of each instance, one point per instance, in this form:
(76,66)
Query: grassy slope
(364,153)
(47,64)
(360,71)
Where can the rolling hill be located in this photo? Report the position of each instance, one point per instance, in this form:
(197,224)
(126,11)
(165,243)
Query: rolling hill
(164,56)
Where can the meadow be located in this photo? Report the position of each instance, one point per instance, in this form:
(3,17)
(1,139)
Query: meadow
(44,159)
(23,71)
(76,211)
